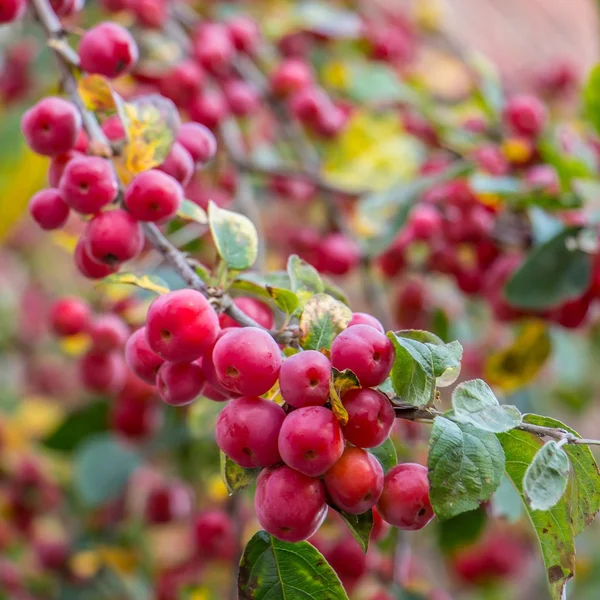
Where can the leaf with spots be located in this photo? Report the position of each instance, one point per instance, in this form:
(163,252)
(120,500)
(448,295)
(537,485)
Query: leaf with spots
(234,477)
(304,279)
(234,236)
(284,299)
(546,477)
(323,318)
(274,570)
(339,384)
(150,283)
(190,211)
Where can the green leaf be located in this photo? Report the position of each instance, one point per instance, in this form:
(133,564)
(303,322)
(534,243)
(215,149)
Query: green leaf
(150,283)
(487,184)
(474,402)
(591,98)
(461,530)
(274,570)
(190,211)
(304,279)
(446,362)
(546,477)
(334,290)
(465,465)
(506,502)
(323,318)
(489,89)
(78,425)
(102,468)
(359,525)
(386,454)
(420,335)
(285,300)
(551,274)
(375,82)
(234,477)
(234,236)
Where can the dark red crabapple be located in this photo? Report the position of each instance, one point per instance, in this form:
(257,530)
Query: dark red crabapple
(153,196)
(179,383)
(290,76)
(212,47)
(108,49)
(51,126)
(404,502)
(368,353)
(135,419)
(304,379)
(525,115)
(69,316)
(113,237)
(48,209)
(102,372)
(90,268)
(244,33)
(247,431)
(338,254)
(168,502)
(242,98)
(255,309)
(140,357)
(108,333)
(247,361)
(370,417)
(355,481)
(380,528)
(198,140)
(348,560)
(288,504)
(57,166)
(179,164)
(52,555)
(311,440)
(214,535)
(182,82)
(11,10)
(88,184)
(360,318)
(209,108)
(181,325)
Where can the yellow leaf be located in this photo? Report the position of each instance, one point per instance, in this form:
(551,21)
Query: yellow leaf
(335,75)
(38,416)
(86,564)
(97,93)
(517,150)
(75,345)
(216,489)
(150,283)
(339,384)
(517,365)
(122,560)
(64,240)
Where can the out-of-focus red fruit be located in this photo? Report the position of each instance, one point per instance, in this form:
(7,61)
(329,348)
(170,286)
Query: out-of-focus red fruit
(102,373)
(255,309)
(52,555)
(419,127)
(573,314)
(108,333)
(48,209)
(11,10)
(135,419)
(182,82)
(291,76)
(69,316)
(380,528)
(214,535)
(209,108)
(243,99)
(90,268)
(543,178)
(152,14)
(213,48)
(179,164)
(348,560)
(113,128)
(489,158)
(525,115)
(425,222)
(244,33)
(199,141)
(140,357)
(168,502)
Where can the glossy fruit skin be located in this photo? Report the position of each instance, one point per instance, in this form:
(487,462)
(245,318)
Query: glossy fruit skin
(311,440)
(304,379)
(48,209)
(88,184)
(182,82)
(525,115)
(11,10)
(108,49)
(199,141)
(178,164)
(140,358)
(181,325)
(213,388)
(404,502)
(214,535)
(179,383)
(90,268)
(360,318)
(108,333)
(370,417)
(288,504)
(247,431)
(69,316)
(113,237)
(153,196)
(247,361)
(51,126)
(368,353)
(355,482)
(255,309)
(167,503)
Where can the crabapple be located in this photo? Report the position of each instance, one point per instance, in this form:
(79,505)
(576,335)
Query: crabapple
(108,333)
(151,14)
(209,108)
(380,528)
(425,222)
(368,353)
(102,372)
(113,128)
(247,361)
(90,268)
(48,209)
(52,555)
(247,431)
(525,115)
(69,316)
(212,47)
(311,440)
(140,357)
(113,237)
(360,318)
(198,140)
(404,502)
(370,417)
(153,196)
(355,481)
(242,98)
(214,535)
(182,82)
(57,166)
(135,418)
(304,379)
(168,502)
(348,560)
(288,504)
(255,309)
(244,33)
(11,10)
(338,254)
(179,383)
(51,126)
(88,184)
(108,49)
(290,76)
(179,164)
(213,388)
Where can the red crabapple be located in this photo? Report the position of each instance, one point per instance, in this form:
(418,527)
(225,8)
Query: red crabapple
(288,504)
(135,419)
(113,237)
(90,268)
(48,209)
(425,222)
(405,502)
(140,357)
(198,140)
(214,535)
(179,383)
(108,333)
(244,33)
(11,10)
(247,361)
(360,318)
(525,115)
(101,372)
(181,325)
(290,76)
(179,164)
(247,431)
(338,254)
(182,82)
(355,481)
(348,560)
(209,108)
(88,184)
(69,316)
(58,163)
(168,502)
(304,379)
(380,528)
(255,309)
(311,440)
(150,14)
(212,47)
(108,49)
(153,196)
(113,129)
(368,353)
(242,98)
(213,388)
(370,417)
(51,126)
